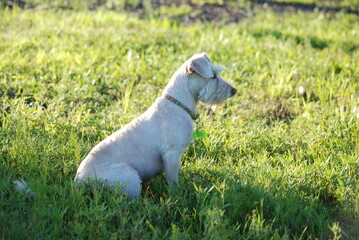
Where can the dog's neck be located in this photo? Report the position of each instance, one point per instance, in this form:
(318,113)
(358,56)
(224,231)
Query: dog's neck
(178,89)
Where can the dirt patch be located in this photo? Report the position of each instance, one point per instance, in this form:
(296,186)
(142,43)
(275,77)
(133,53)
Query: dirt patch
(279,109)
(225,13)
(217,13)
(228,12)
(305,7)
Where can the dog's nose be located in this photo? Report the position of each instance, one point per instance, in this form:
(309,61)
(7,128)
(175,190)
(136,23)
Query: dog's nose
(233,91)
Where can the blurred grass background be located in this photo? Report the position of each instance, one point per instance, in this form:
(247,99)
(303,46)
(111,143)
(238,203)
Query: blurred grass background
(281,157)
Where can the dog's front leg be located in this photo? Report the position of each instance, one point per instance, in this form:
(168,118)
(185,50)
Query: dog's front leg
(171,161)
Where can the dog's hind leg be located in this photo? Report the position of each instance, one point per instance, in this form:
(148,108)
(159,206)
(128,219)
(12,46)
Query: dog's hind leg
(125,175)
(113,175)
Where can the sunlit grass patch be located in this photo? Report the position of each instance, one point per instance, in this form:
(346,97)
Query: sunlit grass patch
(69,79)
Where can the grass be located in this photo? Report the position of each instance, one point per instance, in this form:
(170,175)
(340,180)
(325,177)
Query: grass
(277,164)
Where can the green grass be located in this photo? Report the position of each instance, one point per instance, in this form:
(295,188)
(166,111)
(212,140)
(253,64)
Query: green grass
(275,165)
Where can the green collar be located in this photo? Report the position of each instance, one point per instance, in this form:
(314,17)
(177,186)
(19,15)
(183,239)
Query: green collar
(193,115)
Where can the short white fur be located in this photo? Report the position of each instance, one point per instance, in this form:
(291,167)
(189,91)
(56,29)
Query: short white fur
(155,141)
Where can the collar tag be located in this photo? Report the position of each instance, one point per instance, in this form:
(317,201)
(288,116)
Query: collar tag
(199,133)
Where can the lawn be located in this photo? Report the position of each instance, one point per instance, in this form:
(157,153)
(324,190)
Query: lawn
(278,163)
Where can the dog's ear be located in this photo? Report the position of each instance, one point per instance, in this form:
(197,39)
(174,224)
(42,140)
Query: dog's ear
(219,68)
(201,64)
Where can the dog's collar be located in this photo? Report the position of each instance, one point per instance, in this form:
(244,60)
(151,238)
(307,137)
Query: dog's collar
(193,115)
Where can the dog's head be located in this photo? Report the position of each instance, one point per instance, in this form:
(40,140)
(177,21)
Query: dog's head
(204,81)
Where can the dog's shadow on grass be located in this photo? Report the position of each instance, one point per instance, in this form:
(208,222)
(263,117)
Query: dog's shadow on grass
(202,193)
(210,201)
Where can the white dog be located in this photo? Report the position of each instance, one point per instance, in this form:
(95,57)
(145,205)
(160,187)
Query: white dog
(155,141)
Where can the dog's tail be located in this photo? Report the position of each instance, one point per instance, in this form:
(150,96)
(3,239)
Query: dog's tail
(21,187)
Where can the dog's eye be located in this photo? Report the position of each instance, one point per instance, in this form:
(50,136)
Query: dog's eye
(214,76)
